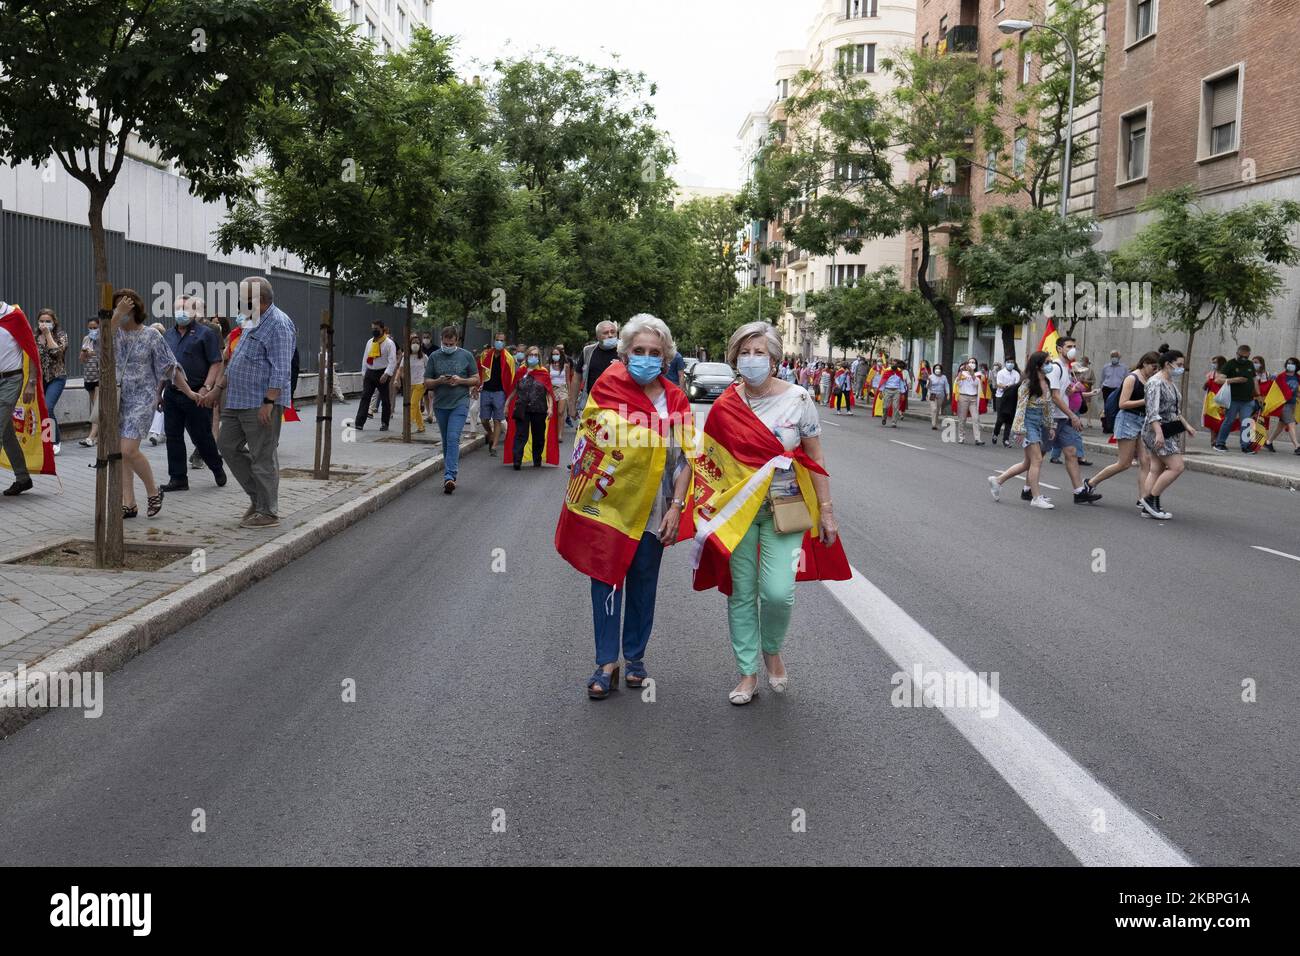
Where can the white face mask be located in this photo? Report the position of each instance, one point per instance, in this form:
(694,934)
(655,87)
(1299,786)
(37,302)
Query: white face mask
(1070,353)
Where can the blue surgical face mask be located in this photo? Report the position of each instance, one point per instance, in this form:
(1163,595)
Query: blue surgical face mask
(93,334)
(1177,372)
(755,368)
(644,368)
(532,360)
(182,317)
(519,356)
(447,349)
(499,345)
(1290,366)
(609,343)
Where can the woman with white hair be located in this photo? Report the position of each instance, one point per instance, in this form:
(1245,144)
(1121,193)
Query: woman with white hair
(761,505)
(626,491)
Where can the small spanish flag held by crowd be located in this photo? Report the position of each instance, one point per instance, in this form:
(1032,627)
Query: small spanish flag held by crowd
(1048,342)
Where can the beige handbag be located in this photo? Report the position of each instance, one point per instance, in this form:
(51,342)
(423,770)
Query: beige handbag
(790,514)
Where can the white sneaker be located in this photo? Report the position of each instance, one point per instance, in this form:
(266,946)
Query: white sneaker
(994,488)
(1042,502)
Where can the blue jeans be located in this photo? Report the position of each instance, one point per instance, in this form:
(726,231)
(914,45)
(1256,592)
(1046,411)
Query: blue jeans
(641,585)
(1237,411)
(451,422)
(1066,435)
(53,392)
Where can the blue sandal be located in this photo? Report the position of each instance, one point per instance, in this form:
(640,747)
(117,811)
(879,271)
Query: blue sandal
(601,683)
(635,672)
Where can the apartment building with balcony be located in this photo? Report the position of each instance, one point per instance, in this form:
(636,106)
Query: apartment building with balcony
(856,35)
(752,136)
(970,28)
(1200,93)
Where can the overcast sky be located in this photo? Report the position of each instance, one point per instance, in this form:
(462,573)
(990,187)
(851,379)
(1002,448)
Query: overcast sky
(712,59)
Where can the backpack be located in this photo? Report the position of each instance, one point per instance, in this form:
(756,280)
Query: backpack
(530,397)
(1112,403)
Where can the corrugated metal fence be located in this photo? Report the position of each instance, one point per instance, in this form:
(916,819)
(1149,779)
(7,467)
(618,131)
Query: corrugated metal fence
(48,263)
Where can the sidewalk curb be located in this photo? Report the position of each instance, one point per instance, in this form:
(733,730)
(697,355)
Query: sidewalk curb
(1210,466)
(107,648)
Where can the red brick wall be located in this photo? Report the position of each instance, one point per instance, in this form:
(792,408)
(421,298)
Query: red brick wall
(1192,41)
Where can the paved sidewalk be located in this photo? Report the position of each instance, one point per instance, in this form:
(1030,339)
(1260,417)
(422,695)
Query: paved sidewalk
(45,609)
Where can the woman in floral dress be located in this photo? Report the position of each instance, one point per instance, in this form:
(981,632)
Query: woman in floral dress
(144,364)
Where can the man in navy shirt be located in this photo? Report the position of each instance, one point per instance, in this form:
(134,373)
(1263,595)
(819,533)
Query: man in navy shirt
(197,349)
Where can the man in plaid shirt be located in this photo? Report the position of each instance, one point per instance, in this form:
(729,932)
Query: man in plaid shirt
(255,389)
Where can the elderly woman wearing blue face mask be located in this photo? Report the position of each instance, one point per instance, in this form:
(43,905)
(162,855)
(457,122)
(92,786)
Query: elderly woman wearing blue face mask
(627,487)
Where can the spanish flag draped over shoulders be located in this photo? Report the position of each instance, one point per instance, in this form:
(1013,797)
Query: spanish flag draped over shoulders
(28,417)
(878,409)
(1275,396)
(731,474)
(619,455)
(551,454)
(507,368)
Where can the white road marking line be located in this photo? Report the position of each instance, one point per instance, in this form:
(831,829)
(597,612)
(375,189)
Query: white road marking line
(1064,795)
(909,445)
(1280,554)
(825,422)
(1046,485)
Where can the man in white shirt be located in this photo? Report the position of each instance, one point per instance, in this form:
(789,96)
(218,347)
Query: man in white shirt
(1008,384)
(1067,438)
(378,365)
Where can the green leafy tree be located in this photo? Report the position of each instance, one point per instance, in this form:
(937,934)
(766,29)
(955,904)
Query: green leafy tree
(440,193)
(1037,113)
(1210,268)
(873,312)
(587,166)
(86,83)
(325,144)
(709,280)
(856,165)
(1020,252)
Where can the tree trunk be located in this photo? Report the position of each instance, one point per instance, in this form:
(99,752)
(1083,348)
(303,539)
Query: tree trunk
(947,322)
(1187,361)
(110,550)
(325,407)
(1008,342)
(406,377)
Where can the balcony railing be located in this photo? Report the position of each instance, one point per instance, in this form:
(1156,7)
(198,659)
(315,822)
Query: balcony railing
(951,209)
(960,39)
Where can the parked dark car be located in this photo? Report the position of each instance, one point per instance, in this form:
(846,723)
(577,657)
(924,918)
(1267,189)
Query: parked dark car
(705,381)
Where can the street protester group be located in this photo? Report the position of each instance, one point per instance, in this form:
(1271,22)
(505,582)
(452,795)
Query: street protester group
(751,491)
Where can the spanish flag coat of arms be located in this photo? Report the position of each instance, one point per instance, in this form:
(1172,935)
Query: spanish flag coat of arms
(619,455)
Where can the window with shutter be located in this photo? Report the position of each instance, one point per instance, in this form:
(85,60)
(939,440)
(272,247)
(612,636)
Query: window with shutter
(1135,146)
(1223,114)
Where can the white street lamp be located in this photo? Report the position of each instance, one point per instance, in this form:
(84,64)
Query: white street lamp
(1020,26)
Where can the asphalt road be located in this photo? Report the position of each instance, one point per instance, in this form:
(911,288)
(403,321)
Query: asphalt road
(471,739)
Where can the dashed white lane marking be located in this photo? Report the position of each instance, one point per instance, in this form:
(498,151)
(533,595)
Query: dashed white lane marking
(1072,803)
(908,444)
(1280,554)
